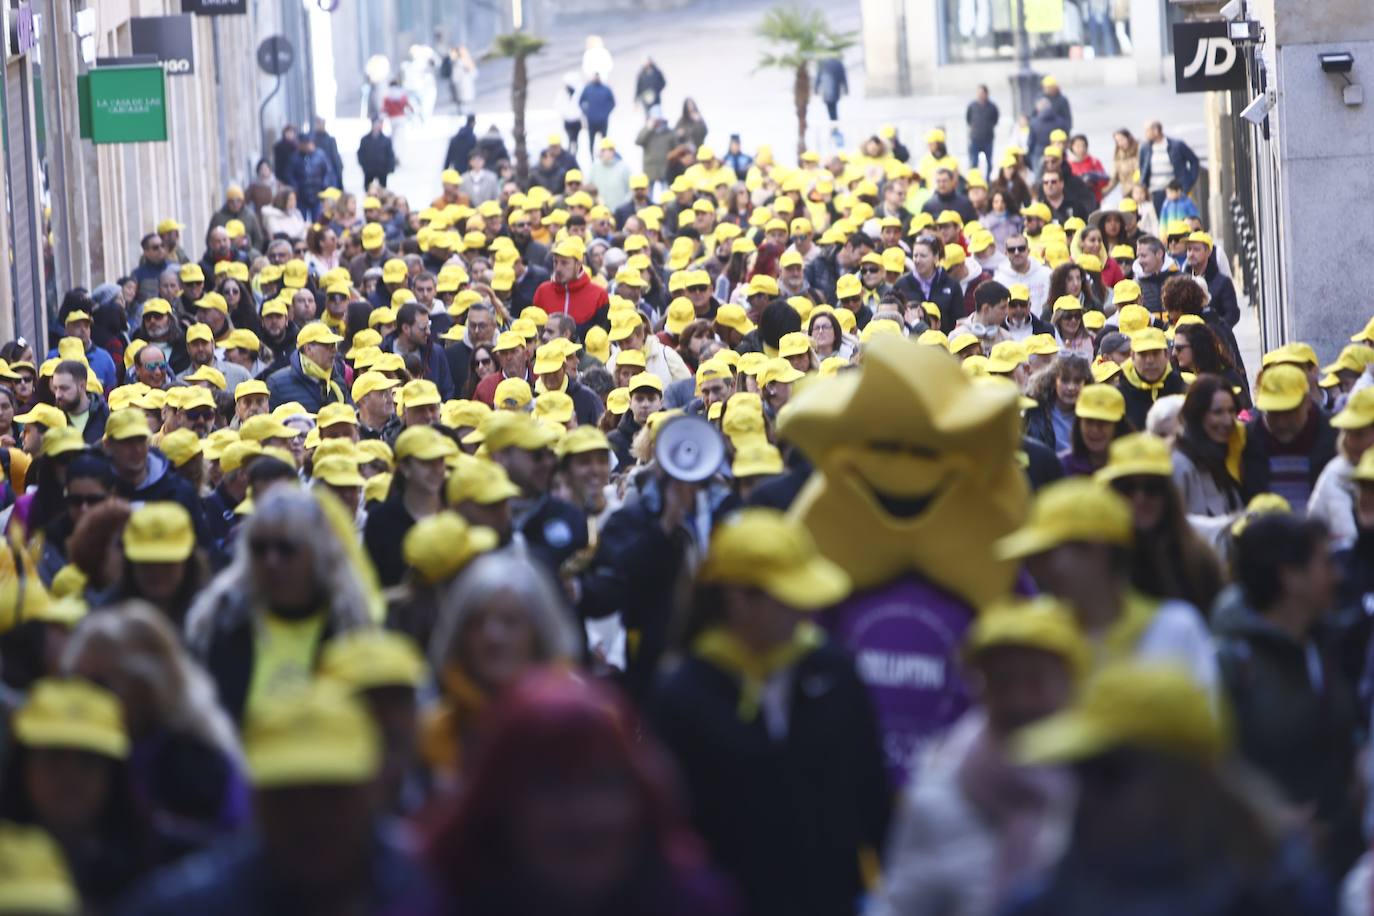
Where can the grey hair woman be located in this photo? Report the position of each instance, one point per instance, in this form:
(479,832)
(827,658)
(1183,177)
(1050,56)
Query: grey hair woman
(503,618)
(298,579)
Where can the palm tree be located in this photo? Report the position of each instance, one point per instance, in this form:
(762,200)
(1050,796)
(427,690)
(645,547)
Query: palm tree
(803,36)
(518,46)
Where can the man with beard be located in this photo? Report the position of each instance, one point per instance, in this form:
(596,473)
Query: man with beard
(278,333)
(218,247)
(151,265)
(85,411)
(412,336)
(160,327)
(200,347)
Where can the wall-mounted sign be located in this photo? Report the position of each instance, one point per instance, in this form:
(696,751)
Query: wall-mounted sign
(123,104)
(275,55)
(168,38)
(1205,60)
(215,7)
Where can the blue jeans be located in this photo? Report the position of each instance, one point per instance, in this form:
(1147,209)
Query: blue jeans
(976,149)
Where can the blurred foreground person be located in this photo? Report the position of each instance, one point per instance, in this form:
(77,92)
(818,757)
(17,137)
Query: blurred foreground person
(317,846)
(1163,825)
(568,812)
(974,823)
(771,726)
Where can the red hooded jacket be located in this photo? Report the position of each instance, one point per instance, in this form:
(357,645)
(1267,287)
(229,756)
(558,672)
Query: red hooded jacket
(582,299)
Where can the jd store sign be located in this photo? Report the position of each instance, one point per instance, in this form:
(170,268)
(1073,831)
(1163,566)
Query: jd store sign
(123,104)
(1205,60)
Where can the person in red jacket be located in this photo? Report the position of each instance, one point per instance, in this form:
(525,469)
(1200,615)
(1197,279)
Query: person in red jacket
(1087,167)
(572,291)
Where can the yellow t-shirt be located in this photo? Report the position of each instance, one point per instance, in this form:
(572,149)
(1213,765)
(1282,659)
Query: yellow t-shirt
(284,655)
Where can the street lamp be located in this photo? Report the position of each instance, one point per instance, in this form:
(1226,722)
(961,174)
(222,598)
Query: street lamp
(1024,81)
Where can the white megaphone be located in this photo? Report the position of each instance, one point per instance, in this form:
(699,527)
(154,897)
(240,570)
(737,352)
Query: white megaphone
(689,449)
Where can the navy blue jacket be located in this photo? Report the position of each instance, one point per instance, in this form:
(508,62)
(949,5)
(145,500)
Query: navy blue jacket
(597,102)
(292,384)
(1181,157)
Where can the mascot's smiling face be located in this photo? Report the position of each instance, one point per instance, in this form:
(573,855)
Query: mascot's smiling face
(916,470)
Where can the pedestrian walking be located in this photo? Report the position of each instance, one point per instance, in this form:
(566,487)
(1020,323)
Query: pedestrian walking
(376,155)
(596,101)
(832,84)
(981,118)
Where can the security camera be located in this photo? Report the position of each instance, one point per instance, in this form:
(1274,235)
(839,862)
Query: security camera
(1257,110)
(1338,62)
(1233,9)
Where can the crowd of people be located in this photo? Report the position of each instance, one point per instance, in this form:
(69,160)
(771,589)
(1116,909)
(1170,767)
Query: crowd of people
(870,534)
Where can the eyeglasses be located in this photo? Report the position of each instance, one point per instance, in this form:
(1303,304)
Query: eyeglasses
(697,288)
(1017,249)
(78,500)
(870,269)
(200,413)
(484,361)
(155,367)
(283,548)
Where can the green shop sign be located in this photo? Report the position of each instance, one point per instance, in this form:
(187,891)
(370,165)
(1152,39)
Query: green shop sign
(123,104)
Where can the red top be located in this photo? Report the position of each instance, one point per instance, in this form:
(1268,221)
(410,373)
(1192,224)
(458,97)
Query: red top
(581,298)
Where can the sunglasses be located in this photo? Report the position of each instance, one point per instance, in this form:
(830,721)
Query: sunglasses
(156,367)
(697,288)
(200,413)
(283,548)
(1017,249)
(78,500)
(1146,486)
(484,361)
(871,269)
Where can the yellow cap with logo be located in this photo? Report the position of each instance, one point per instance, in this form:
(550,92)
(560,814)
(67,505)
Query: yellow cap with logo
(72,714)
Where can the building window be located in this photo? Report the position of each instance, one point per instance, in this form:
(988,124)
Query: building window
(984,30)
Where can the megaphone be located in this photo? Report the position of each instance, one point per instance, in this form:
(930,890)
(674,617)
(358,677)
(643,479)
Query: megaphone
(689,449)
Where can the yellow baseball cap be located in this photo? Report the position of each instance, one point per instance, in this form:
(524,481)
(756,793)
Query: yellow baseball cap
(1100,402)
(61,440)
(480,481)
(1042,623)
(317,735)
(47,416)
(512,394)
(734,318)
(159,532)
(33,873)
(764,549)
(1145,705)
(374,236)
(755,458)
(294,274)
(207,374)
(425,443)
(419,393)
(72,714)
(1358,412)
(461,414)
(369,382)
(1281,387)
(317,332)
(1075,510)
(332,414)
(263,427)
(180,446)
(337,471)
(129,423)
(191,273)
(510,429)
(236,453)
(1147,339)
(440,546)
(367,659)
(581,441)
(1137,455)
